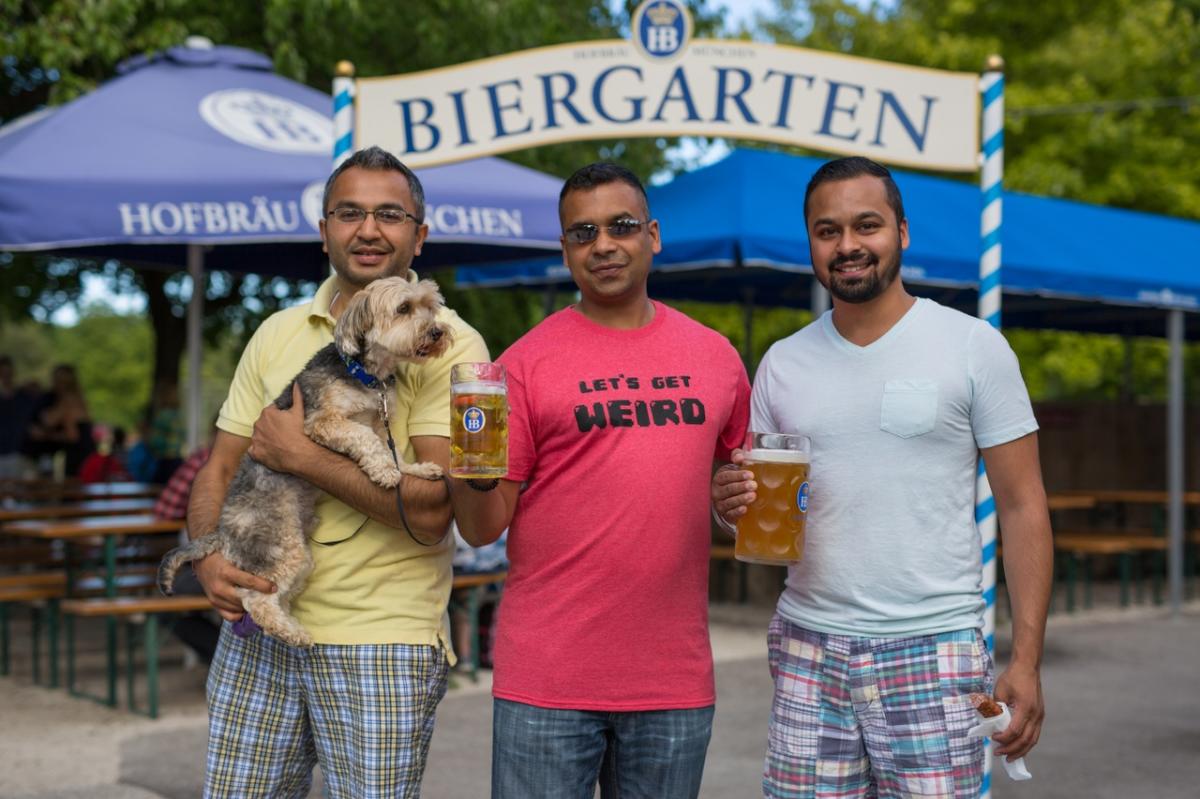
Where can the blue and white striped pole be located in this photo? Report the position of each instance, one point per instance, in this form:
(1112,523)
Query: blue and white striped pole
(343,112)
(991,185)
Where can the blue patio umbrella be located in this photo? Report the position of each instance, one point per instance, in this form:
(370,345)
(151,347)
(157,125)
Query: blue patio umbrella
(201,156)
(737,226)
(206,145)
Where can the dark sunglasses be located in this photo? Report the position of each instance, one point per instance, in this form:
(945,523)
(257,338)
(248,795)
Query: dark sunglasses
(586,234)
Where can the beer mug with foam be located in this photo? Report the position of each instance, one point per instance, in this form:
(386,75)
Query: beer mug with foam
(772,531)
(478,420)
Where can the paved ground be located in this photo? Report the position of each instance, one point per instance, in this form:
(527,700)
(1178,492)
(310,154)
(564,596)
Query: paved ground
(1124,721)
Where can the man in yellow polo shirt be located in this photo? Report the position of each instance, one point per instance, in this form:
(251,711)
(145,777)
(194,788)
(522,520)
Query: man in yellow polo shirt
(361,701)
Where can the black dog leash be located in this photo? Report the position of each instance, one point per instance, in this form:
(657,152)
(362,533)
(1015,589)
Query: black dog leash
(356,370)
(391,442)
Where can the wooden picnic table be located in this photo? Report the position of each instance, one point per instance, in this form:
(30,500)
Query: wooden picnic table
(21,511)
(7,483)
(1070,502)
(474,586)
(1129,542)
(86,529)
(48,491)
(1131,496)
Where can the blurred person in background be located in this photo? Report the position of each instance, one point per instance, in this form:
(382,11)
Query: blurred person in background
(16,408)
(166,432)
(60,423)
(107,463)
(487,559)
(197,630)
(140,461)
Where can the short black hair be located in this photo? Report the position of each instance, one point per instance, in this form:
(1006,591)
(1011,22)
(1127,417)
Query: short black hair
(854,167)
(598,174)
(377,159)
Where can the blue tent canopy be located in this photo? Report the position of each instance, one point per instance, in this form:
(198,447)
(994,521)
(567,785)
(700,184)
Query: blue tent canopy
(206,145)
(736,228)
(202,156)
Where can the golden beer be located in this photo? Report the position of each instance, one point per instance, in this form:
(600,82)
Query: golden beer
(772,531)
(478,426)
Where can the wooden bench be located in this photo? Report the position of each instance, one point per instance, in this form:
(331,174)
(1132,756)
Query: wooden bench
(475,586)
(89,582)
(41,591)
(16,557)
(134,611)
(27,555)
(1079,546)
(42,600)
(23,579)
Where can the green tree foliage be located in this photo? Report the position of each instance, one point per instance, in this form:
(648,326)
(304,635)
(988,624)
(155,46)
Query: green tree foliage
(1079,366)
(110,353)
(767,326)
(1102,105)
(1102,96)
(1072,65)
(58,50)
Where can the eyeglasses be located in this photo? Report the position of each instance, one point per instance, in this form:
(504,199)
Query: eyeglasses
(586,234)
(383,216)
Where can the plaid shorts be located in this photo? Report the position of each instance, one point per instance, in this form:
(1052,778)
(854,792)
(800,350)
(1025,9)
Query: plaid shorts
(874,717)
(365,713)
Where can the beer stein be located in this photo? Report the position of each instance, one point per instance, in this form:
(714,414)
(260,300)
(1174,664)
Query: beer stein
(772,531)
(478,421)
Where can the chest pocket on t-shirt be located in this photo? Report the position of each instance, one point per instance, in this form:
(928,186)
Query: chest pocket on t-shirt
(909,407)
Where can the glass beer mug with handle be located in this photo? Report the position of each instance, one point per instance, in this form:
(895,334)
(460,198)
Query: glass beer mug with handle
(772,531)
(478,421)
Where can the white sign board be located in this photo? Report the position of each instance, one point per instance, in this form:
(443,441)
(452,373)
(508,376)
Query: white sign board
(660,84)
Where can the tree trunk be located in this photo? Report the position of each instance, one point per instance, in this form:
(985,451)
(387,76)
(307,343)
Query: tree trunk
(170,330)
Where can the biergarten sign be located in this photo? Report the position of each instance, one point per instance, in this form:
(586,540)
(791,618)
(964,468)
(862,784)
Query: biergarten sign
(663,83)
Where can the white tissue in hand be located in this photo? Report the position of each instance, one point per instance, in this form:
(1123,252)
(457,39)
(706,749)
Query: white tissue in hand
(986,728)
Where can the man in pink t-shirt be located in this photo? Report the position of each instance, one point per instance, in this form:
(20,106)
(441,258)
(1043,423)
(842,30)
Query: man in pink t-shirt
(618,407)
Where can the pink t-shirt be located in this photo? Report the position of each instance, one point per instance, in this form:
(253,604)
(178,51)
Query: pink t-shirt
(615,431)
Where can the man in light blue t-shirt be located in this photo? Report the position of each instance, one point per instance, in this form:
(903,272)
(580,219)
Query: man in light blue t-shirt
(876,644)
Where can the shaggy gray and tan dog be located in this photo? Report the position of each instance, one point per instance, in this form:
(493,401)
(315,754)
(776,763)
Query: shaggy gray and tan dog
(268,516)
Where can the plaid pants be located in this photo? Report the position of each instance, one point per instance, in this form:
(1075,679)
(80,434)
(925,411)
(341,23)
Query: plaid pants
(365,713)
(874,717)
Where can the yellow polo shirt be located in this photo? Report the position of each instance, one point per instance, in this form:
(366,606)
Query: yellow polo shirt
(376,586)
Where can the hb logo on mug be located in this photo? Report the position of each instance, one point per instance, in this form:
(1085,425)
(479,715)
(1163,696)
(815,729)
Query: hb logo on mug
(473,420)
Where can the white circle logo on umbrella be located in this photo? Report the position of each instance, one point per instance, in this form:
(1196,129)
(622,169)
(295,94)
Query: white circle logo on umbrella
(310,203)
(268,122)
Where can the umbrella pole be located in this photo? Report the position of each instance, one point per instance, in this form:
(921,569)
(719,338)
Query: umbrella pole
(1175,453)
(747,326)
(195,261)
(819,301)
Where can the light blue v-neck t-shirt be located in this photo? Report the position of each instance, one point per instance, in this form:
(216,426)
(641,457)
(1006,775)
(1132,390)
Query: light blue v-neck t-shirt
(891,546)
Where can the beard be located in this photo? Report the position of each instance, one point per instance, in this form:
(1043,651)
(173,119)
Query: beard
(862,289)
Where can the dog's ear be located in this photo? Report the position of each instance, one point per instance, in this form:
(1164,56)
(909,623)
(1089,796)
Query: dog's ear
(432,287)
(350,333)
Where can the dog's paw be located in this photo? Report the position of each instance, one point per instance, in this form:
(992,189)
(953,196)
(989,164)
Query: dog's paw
(424,470)
(383,473)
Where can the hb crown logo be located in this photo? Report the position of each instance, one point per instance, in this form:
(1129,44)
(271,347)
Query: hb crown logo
(474,419)
(268,122)
(661,28)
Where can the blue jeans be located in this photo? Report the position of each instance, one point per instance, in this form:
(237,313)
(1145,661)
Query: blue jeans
(544,753)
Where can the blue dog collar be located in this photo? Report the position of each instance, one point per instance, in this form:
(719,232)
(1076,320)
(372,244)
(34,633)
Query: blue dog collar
(359,373)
